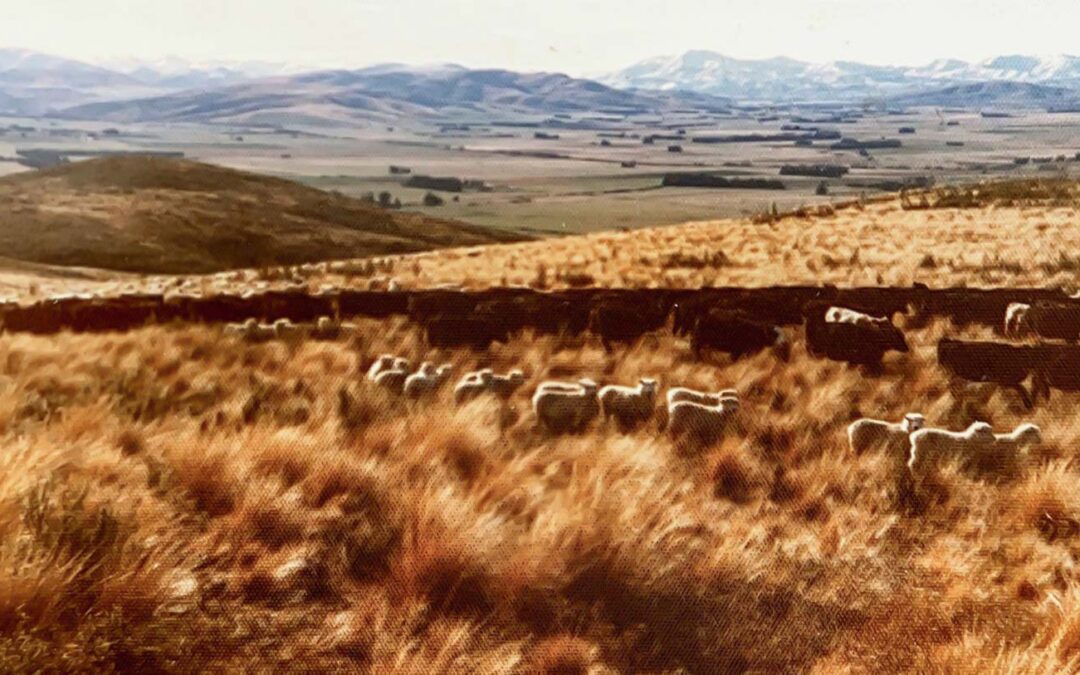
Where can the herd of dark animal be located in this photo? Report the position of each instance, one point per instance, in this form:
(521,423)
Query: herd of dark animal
(852,325)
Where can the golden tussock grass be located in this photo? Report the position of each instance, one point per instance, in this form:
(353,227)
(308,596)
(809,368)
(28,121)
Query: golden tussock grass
(175,499)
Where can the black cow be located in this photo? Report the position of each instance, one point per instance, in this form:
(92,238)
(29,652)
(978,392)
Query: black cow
(1057,367)
(456,331)
(983,361)
(295,305)
(372,304)
(859,344)
(733,333)
(1055,320)
(626,320)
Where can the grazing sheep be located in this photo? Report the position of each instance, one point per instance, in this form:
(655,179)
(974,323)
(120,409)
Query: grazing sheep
(699,421)
(629,406)
(1020,438)
(283,329)
(1004,455)
(473,384)
(1016,315)
(392,380)
(427,380)
(866,434)
(485,381)
(326,328)
(252,331)
(930,446)
(384,362)
(504,386)
(846,315)
(676,394)
(561,407)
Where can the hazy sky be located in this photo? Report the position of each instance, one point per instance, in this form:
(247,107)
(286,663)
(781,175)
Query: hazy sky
(575,36)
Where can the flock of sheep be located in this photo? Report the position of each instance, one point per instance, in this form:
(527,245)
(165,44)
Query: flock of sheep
(919,450)
(570,407)
(567,407)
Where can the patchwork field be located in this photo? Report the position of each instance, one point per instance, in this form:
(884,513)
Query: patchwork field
(572,179)
(178,498)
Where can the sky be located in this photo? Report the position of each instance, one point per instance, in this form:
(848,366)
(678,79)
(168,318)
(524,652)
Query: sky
(579,37)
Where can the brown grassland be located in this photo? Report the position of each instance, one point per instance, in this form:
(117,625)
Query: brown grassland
(176,499)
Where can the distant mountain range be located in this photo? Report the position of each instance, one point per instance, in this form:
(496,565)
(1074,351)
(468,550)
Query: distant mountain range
(386,91)
(35,84)
(32,83)
(783,79)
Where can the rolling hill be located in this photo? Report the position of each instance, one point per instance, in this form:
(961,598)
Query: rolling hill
(384,92)
(999,94)
(162,215)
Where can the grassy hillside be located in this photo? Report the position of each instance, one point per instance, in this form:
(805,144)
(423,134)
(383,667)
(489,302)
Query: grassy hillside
(177,499)
(149,214)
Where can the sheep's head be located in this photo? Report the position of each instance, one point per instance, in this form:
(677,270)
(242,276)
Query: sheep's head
(648,385)
(516,376)
(912,422)
(1028,434)
(588,385)
(727,393)
(323,323)
(402,364)
(427,368)
(980,430)
(729,404)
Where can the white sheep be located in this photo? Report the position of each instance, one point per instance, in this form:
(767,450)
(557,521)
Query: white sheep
(676,394)
(837,314)
(427,380)
(929,447)
(629,405)
(866,434)
(1003,456)
(700,421)
(486,381)
(284,328)
(562,407)
(1016,318)
(473,384)
(251,330)
(504,386)
(1020,438)
(393,380)
(326,328)
(384,362)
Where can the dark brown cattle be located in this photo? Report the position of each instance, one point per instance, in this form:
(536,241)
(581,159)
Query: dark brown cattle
(881,301)
(542,312)
(40,318)
(733,333)
(981,361)
(454,331)
(1055,320)
(110,314)
(689,307)
(863,345)
(625,320)
(372,304)
(1057,367)
(221,309)
(986,307)
(424,305)
(295,305)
